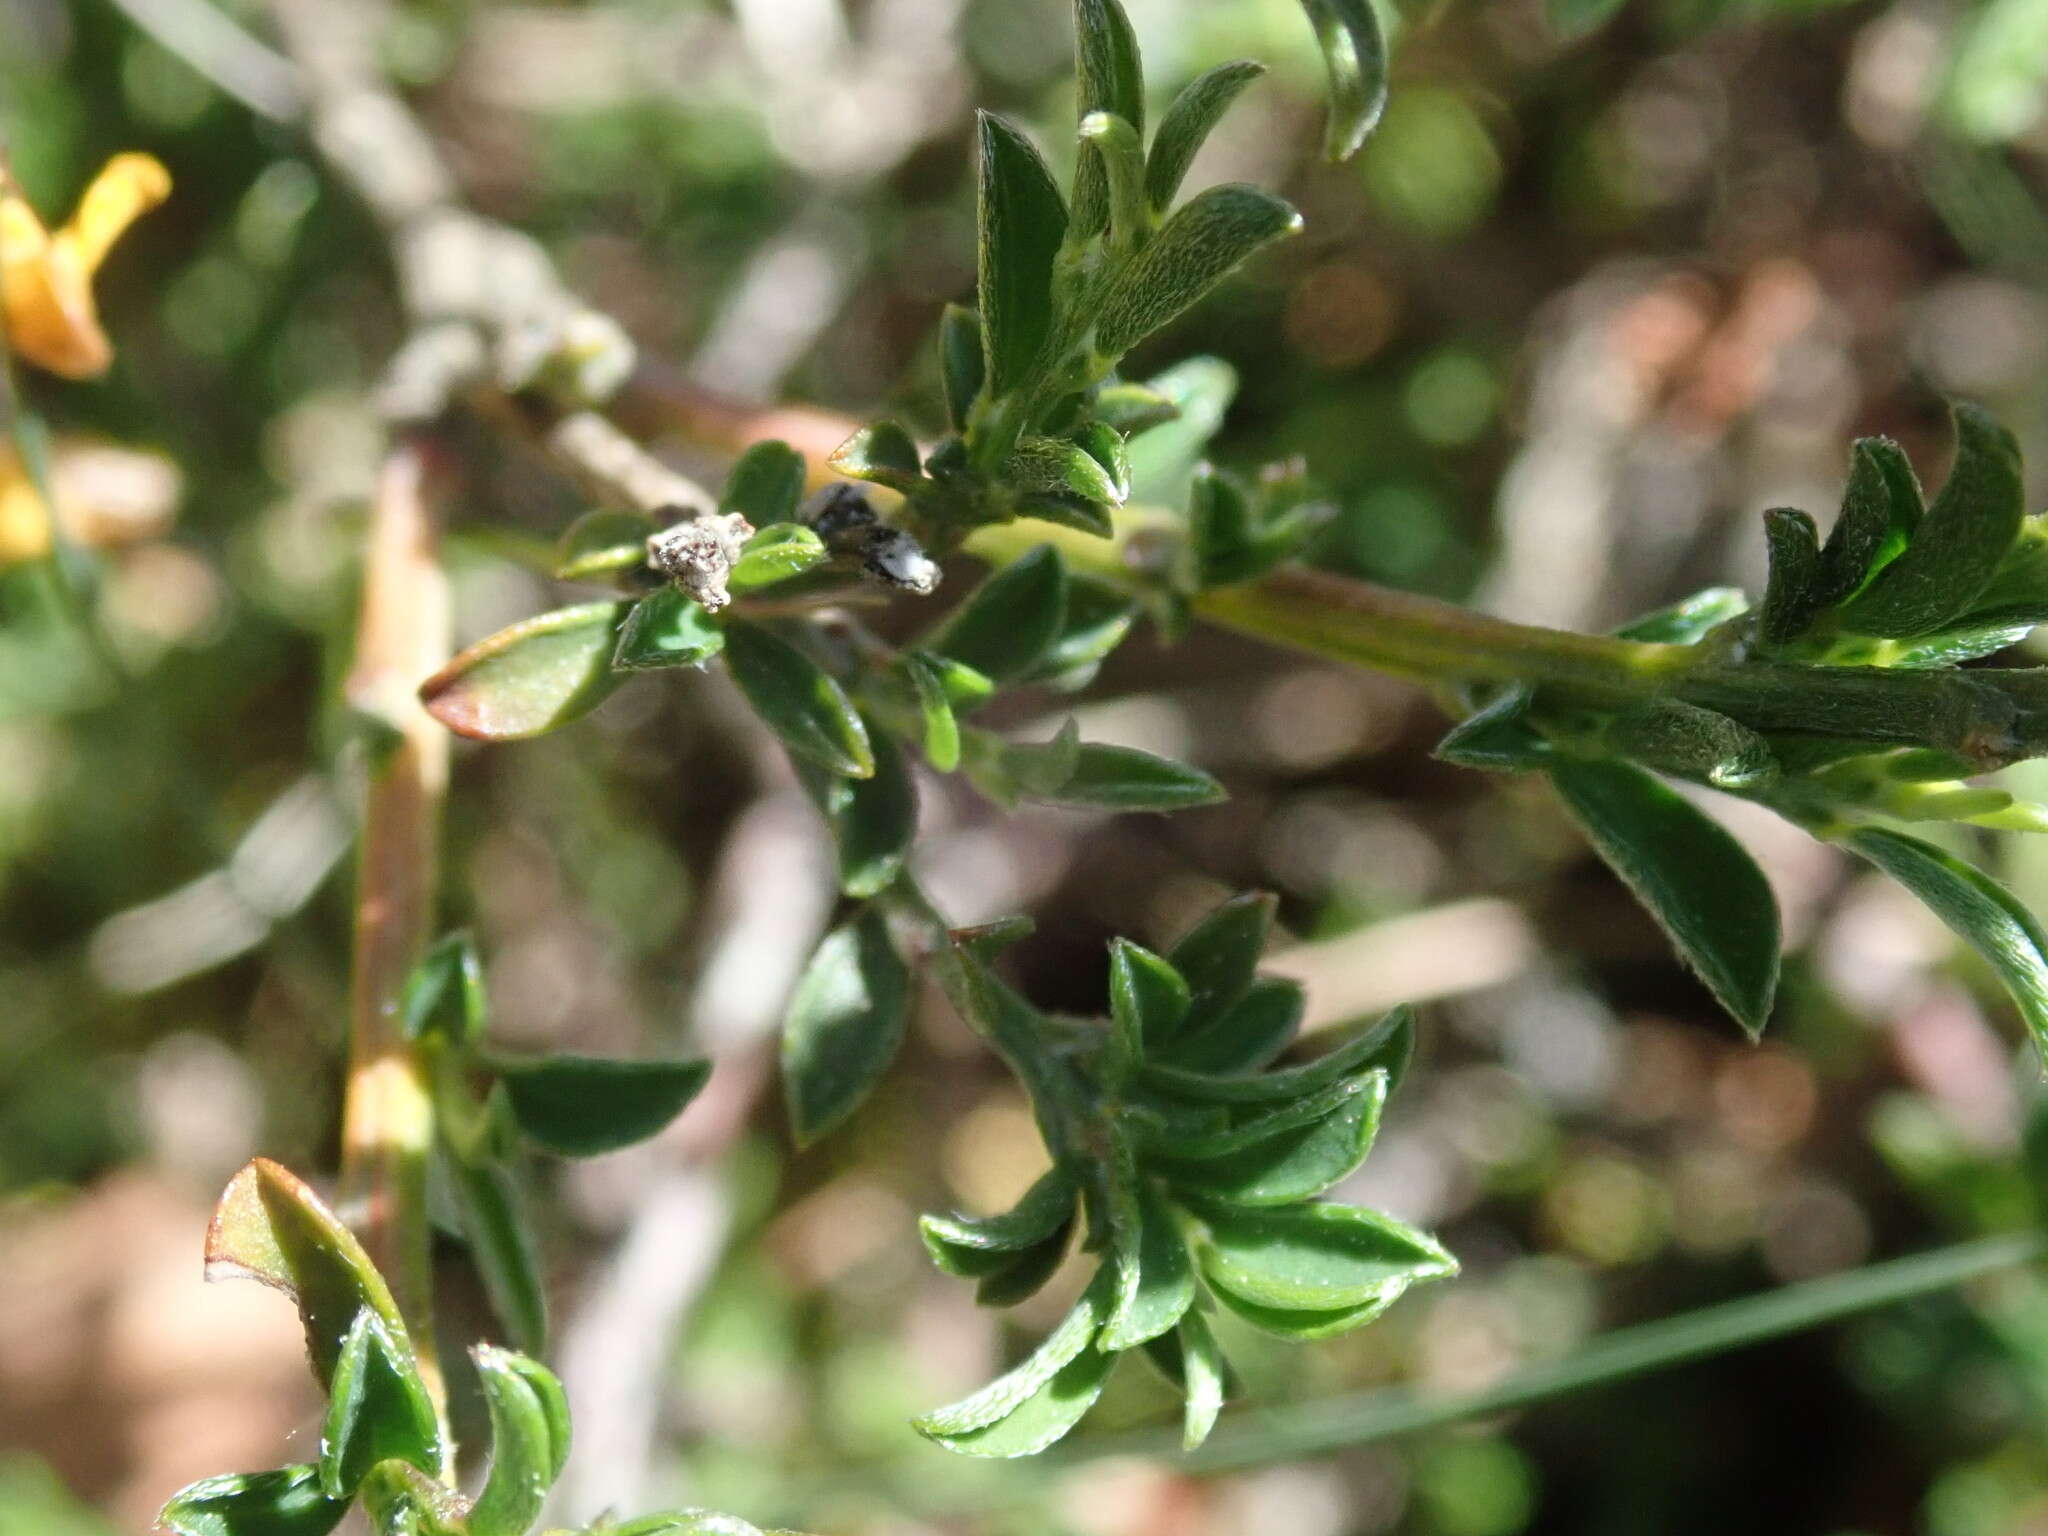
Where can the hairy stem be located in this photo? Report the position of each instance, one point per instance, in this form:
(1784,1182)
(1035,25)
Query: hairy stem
(1316,1428)
(388,1117)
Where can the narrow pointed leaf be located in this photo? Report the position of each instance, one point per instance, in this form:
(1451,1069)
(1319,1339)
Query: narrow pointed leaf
(532,678)
(1112,143)
(1218,955)
(765,484)
(1148,998)
(846,1021)
(1205,1377)
(1958,545)
(883,453)
(1125,779)
(1880,509)
(1355,51)
(1022,224)
(444,996)
(873,820)
(1248,1034)
(1056,466)
(1687,621)
(581,1106)
(1302,1325)
(1298,1162)
(1164,1285)
(377,1410)
(962,365)
(996,1401)
(1188,124)
(1040,1419)
(1692,877)
(603,543)
(775,553)
(1011,619)
(1310,1258)
(1026,1271)
(1386,1047)
(287,1502)
(500,1242)
(1499,738)
(1695,879)
(798,700)
(1195,249)
(1982,912)
(525,1455)
(961,1245)
(667,629)
(1109,77)
(941,740)
(1105,445)
(271,1228)
(1132,408)
(1792,597)
(1069,510)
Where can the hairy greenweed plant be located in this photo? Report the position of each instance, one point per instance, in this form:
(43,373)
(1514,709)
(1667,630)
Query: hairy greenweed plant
(1185,1163)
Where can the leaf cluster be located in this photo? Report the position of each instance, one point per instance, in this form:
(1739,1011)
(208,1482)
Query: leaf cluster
(1189,1167)
(1818,702)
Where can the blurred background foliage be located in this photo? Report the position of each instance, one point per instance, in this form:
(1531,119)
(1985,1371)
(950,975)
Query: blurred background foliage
(1607,281)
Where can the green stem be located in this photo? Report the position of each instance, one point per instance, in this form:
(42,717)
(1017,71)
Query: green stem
(1335,1424)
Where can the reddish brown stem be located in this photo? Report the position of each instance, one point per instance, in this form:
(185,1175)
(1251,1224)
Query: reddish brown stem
(387,1118)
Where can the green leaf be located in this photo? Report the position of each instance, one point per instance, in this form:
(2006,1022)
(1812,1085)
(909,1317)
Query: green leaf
(1112,142)
(1040,1419)
(500,1241)
(973,1246)
(1194,250)
(1302,1325)
(1024,1273)
(603,543)
(1982,912)
(529,1442)
(1132,408)
(765,484)
(667,629)
(1792,596)
(1157,1278)
(1069,511)
(1355,51)
(1204,1379)
(1880,509)
(776,553)
(798,700)
(1703,889)
(1125,779)
(1292,1161)
(401,1500)
(1498,738)
(1685,739)
(581,1106)
(1109,77)
(287,1502)
(1001,1397)
(444,996)
(1037,769)
(1022,224)
(1386,1047)
(846,1021)
(1687,621)
(377,1410)
(1958,545)
(270,1227)
(1163,460)
(1220,532)
(883,453)
(941,738)
(1006,626)
(1055,466)
(1147,997)
(1314,1258)
(683,1522)
(532,678)
(1188,124)
(1219,954)
(1097,620)
(873,820)
(962,367)
(1105,445)
(1248,1034)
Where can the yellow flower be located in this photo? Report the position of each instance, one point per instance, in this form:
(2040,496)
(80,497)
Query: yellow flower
(46,278)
